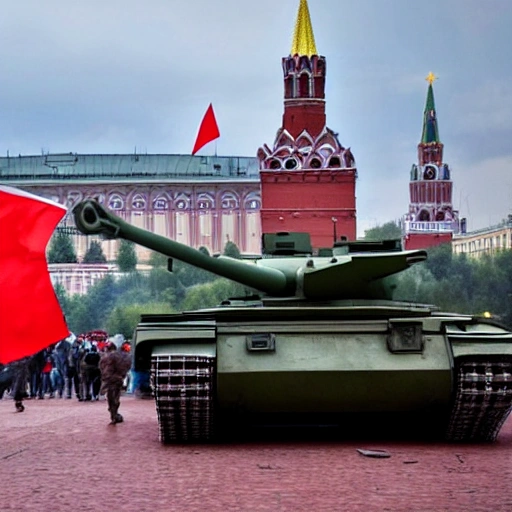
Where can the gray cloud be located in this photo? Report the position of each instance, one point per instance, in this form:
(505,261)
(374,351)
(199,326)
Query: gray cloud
(108,76)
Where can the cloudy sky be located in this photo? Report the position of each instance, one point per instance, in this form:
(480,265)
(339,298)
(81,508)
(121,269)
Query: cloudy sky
(115,76)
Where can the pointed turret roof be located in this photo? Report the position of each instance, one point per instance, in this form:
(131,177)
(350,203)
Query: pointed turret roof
(303,38)
(430,132)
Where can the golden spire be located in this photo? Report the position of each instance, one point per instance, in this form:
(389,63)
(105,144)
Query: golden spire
(430,78)
(303,39)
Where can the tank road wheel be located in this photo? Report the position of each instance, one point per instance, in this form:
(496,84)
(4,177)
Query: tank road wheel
(482,400)
(184,393)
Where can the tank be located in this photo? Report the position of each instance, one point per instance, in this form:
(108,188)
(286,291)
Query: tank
(319,340)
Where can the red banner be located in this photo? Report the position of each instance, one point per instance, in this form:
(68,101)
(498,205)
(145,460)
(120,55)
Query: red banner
(30,315)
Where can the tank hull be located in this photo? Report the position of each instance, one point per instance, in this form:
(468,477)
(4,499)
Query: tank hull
(293,365)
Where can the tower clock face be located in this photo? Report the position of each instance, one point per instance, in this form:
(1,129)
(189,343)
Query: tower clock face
(430,173)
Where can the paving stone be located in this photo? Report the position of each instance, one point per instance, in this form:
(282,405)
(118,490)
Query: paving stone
(62,455)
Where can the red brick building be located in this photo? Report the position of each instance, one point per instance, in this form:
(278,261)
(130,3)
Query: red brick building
(307,178)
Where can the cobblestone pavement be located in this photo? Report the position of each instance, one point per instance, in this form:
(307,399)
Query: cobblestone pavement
(61,455)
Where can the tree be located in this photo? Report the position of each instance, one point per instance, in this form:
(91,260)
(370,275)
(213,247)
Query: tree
(124,319)
(211,294)
(90,311)
(95,253)
(61,248)
(157,259)
(231,250)
(126,257)
(439,261)
(388,231)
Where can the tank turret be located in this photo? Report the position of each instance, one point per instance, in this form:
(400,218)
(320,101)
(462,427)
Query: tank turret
(350,270)
(324,343)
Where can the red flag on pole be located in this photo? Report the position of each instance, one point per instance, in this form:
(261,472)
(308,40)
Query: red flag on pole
(30,315)
(208,130)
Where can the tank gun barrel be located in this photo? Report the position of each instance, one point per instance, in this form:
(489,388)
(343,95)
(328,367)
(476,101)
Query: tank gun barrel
(93,219)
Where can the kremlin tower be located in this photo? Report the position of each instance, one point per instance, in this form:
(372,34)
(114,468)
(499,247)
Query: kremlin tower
(307,178)
(431,219)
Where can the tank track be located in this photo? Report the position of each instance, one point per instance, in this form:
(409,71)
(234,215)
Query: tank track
(184,389)
(483,398)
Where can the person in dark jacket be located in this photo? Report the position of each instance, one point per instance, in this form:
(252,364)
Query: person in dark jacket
(91,374)
(21,373)
(36,365)
(49,363)
(61,355)
(73,369)
(114,366)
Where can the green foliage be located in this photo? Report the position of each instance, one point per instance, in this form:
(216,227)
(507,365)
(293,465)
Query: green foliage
(189,275)
(77,316)
(456,283)
(90,311)
(115,303)
(63,299)
(95,253)
(157,259)
(61,249)
(126,256)
(211,294)
(439,260)
(231,250)
(388,231)
(124,319)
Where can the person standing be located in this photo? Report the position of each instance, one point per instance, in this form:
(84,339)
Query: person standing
(61,354)
(73,369)
(21,373)
(36,365)
(114,366)
(90,374)
(46,383)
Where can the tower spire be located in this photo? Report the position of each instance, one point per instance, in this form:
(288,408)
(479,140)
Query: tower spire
(307,163)
(431,219)
(303,38)
(430,132)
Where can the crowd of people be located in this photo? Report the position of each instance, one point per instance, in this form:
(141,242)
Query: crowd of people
(85,367)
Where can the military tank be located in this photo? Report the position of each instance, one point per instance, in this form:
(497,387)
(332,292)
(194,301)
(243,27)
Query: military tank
(319,340)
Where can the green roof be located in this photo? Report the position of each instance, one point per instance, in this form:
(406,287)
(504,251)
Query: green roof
(72,166)
(430,131)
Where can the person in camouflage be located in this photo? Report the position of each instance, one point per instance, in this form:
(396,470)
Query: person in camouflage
(114,366)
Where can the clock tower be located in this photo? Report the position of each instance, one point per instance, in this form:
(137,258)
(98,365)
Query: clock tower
(431,219)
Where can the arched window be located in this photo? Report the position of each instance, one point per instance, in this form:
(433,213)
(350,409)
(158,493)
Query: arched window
(138,202)
(291,163)
(252,202)
(424,216)
(182,202)
(229,201)
(205,201)
(116,202)
(304,85)
(160,204)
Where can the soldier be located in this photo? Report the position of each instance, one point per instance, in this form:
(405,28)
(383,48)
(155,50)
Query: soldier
(114,366)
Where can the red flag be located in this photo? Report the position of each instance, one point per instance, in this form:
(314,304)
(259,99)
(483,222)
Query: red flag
(208,130)
(30,315)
